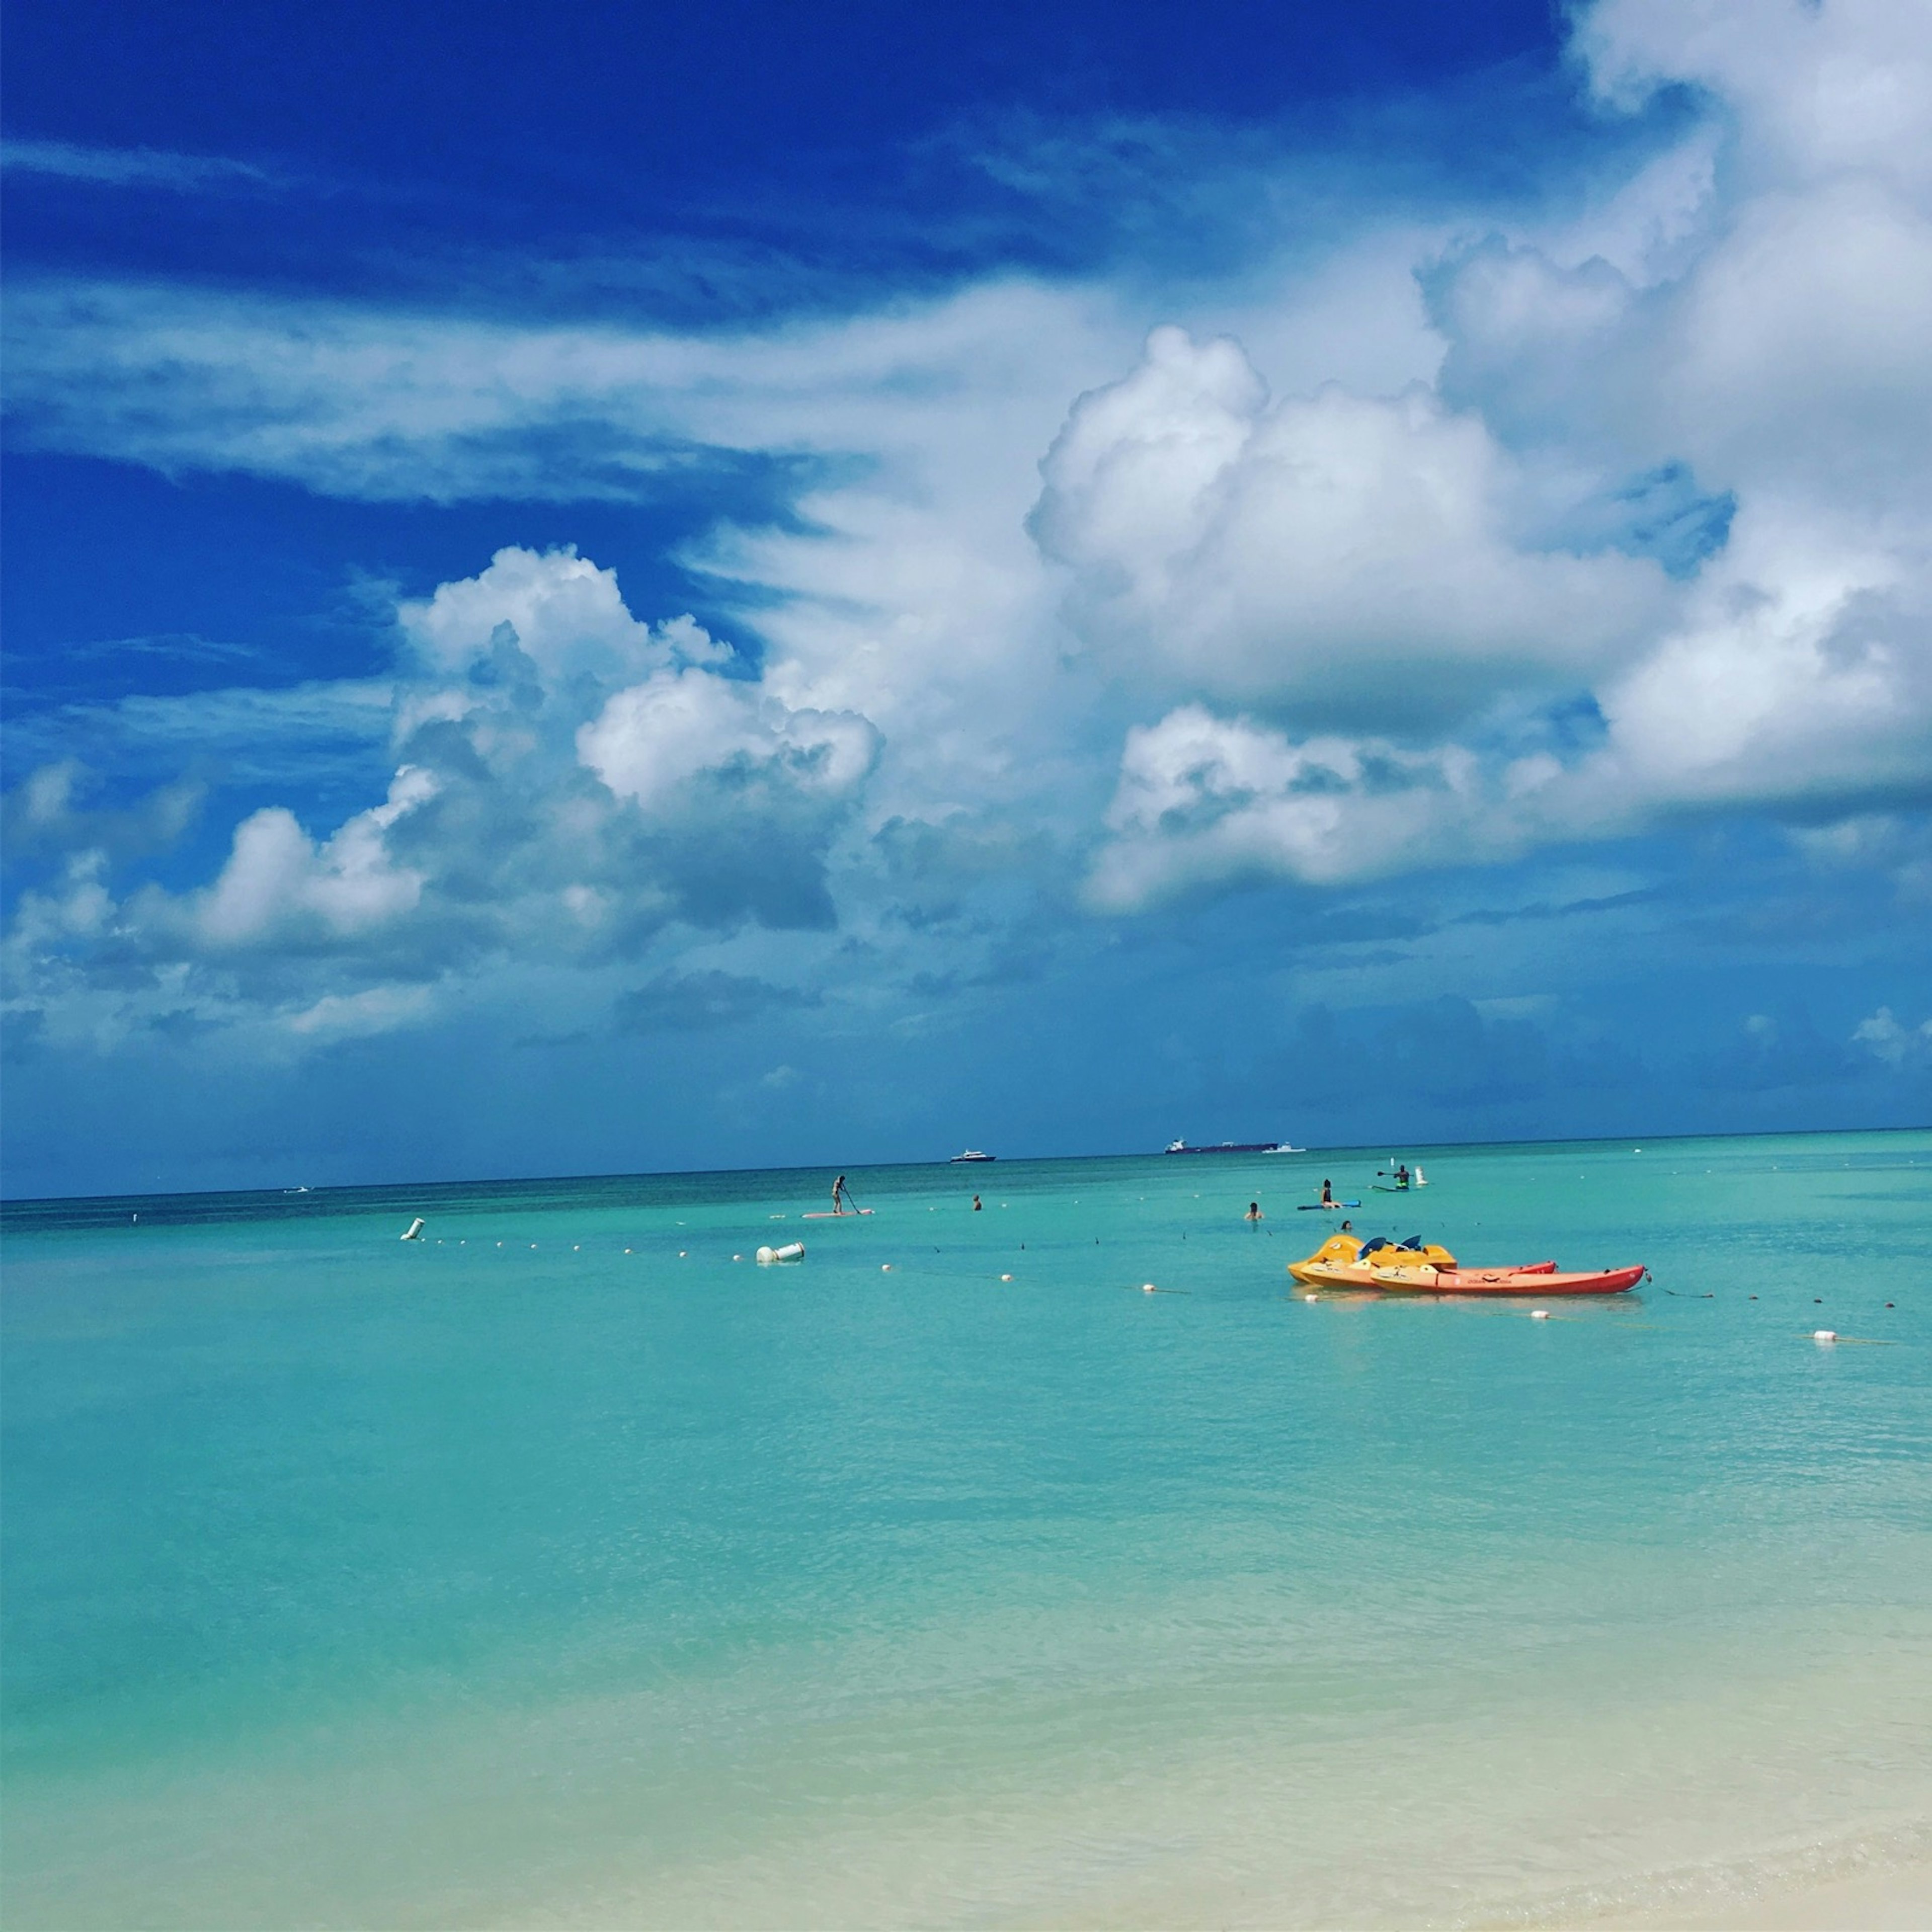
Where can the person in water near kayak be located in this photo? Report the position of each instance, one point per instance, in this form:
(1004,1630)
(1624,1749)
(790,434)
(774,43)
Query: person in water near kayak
(839,1195)
(1348,1227)
(1327,1195)
(1254,1213)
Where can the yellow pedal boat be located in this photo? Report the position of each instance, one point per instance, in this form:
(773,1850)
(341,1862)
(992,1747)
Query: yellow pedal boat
(1352,1260)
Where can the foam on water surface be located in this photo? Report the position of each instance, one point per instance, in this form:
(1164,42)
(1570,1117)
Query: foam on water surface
(590,1578)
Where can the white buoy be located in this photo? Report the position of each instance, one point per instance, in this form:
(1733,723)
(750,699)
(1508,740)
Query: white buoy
(627,1251)
(792,1251)
(1006,1277)
(1539,1314)
(1148,1288)
(765,1257)
(1308,1298)
(414,1232)
(885,1268)
(1824,1334)
(683,1253)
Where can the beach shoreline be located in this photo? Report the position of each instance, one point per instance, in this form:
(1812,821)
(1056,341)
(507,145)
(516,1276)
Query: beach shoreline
(1897,1899)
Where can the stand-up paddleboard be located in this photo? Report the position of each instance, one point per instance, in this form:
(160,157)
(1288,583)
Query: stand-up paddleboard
(1376,1187)
(1316,1207)
(835,1214)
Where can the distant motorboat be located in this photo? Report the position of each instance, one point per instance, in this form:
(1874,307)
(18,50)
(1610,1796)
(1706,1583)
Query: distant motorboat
(1235,1147)
(971,1154)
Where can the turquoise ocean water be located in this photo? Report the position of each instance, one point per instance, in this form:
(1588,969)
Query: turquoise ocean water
(561,1569)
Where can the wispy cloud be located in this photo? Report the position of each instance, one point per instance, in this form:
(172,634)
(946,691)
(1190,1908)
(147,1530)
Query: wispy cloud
(259,731)
(141,168)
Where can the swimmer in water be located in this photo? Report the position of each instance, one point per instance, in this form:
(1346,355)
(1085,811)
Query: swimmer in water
(1254,1213)
(977,1208)
(1348,1227)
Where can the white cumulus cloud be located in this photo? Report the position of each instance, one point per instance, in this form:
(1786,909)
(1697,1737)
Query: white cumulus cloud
(1672,492)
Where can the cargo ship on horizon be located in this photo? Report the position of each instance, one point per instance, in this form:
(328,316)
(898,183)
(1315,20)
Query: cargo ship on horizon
(1235,1147)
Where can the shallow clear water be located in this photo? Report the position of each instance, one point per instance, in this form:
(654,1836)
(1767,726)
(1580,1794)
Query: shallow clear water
(351,1582)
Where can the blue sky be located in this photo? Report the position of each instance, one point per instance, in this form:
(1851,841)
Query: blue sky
(604,589)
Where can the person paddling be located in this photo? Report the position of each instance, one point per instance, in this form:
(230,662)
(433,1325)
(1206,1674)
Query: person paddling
(839,1197)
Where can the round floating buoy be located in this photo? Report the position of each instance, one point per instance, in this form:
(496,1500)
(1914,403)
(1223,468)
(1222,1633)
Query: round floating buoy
(765,1257)
(1148,1288)
(577,1247)
(885,1268)
(1824,1334)
(737,1257)
(1007,1277)
(683,1254)
(1310,1298)
(1539,1314)
(627,1251)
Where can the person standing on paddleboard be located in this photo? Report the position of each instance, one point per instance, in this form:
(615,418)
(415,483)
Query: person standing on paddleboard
(839,1197)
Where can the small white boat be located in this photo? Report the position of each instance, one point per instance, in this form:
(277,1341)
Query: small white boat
(972,1153)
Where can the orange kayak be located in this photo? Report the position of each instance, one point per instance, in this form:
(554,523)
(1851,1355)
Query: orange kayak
(1499,1281)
